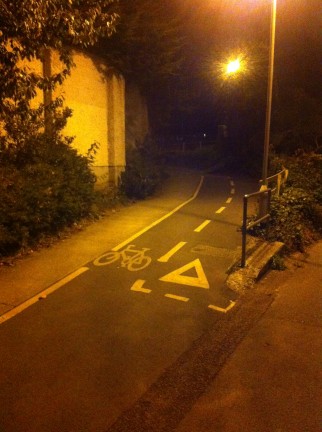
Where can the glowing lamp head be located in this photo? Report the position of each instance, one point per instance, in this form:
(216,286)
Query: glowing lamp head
(233,66)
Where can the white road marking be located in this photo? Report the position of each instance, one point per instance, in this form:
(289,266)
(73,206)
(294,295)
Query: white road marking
(144,230)
(232,183)
(138,286)
(42,295)
(220,210)
(175,297)
(232,191)
(202,226)
(168,255)
(177,276)
(219,309)
(229,200)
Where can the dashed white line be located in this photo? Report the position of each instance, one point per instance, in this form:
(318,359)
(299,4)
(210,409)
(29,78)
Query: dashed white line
(202,226)
(220,210)
(168,255)
(144,230)
(232,191)
(229,200)
(175,297)
(232,183)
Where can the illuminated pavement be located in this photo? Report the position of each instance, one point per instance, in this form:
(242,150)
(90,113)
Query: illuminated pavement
(132,338)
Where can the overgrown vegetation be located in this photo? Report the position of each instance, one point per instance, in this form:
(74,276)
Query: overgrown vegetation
(143,173)
(44,184)
(296,215)
(44,187)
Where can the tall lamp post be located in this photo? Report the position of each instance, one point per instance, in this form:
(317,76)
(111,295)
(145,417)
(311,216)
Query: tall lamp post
(269,93)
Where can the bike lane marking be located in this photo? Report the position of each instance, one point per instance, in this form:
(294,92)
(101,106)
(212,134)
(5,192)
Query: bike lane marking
(177,276)
(220,210)
(202,226)
(168,255)
(175,297)
(42,295)
(138,287)
(219,309)
(166,216)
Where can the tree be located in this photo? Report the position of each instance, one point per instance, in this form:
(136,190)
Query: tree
(28,29)
(146,47)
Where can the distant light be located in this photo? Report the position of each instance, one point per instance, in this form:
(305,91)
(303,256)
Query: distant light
(233,66)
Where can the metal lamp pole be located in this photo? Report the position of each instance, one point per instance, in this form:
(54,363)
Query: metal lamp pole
(269,93)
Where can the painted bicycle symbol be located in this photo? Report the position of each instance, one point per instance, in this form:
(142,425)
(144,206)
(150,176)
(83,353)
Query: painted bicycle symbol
(131,258)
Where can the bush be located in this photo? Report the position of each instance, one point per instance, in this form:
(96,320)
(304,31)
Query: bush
(292,221)
(142,174)
(45,186)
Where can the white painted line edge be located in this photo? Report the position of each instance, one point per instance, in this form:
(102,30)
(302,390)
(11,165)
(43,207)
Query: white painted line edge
(138,287)
(220,210)
(229,200)
(219,309)
(168,255)
(42,295)
(144,230)
(175,297)
(202,226)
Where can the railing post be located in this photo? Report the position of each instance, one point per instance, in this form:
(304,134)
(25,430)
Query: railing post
(244,232)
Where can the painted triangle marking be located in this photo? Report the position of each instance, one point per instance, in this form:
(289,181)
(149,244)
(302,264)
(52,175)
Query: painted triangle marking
(177,276)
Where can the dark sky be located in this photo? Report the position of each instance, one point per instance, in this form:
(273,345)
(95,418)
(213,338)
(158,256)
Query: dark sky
(213,26)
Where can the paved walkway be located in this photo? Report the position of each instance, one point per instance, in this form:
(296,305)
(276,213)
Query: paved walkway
(273,381)
(39,270)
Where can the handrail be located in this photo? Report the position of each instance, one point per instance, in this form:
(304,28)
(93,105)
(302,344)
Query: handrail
(264,215)
(280,178)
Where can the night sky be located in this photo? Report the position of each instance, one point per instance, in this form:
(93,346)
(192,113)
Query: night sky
(213,27)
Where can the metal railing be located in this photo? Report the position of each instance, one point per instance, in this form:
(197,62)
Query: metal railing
(264,208)
(279,179)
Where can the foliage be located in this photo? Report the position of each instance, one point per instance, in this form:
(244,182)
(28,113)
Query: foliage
(29,27)
(297,123)
(147,42)
(296,213)
(305,171)
(44,186)
(143,173)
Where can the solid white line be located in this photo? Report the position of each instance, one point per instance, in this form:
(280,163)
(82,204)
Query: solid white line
(42,295)
(229,200)
(144,230)
(175,297)
(202,226)
(168,255)
(220,210)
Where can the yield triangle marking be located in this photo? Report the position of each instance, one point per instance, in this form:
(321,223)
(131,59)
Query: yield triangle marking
(177,276)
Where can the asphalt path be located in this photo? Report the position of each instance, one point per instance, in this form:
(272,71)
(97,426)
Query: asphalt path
(79,358)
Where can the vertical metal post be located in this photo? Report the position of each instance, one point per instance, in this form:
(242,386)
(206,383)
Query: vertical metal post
(244,232)
(269,92)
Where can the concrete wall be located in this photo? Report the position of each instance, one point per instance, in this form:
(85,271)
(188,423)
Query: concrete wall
(98,105)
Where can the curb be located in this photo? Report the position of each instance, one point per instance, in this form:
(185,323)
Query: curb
(257,264)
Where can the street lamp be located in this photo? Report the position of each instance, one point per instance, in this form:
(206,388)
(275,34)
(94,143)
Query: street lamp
(269,93)
(233,66)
